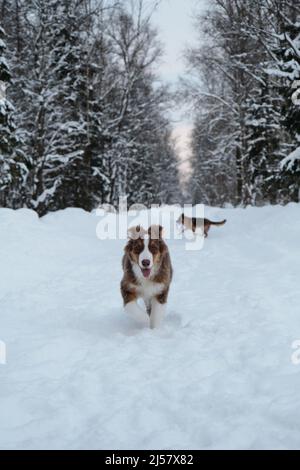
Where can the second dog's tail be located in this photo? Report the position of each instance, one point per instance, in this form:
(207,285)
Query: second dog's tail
(218,223)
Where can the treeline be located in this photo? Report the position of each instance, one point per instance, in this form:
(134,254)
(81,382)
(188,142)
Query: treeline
(246,137)
(82,115)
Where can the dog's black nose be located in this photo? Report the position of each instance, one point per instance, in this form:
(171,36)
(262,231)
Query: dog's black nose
(146,263)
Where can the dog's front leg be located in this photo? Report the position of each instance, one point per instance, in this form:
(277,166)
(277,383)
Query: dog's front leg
(135,311)
(158,310)
(181,229)
(148,306)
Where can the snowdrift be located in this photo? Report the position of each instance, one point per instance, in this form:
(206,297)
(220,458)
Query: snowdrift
(220,374)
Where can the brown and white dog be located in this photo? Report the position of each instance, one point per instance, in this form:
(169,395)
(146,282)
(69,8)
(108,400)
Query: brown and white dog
(192,223)
(147,273)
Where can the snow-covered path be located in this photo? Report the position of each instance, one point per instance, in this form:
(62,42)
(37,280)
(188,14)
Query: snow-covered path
(219,373)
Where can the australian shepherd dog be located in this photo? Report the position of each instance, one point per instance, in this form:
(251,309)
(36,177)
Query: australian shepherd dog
(147,273)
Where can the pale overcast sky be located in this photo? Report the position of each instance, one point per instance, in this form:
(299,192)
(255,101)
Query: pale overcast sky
(174,19)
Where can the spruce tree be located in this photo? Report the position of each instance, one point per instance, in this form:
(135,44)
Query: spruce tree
(9,166)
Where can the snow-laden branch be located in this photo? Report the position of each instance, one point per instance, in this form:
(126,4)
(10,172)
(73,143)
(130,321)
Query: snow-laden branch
(289,161)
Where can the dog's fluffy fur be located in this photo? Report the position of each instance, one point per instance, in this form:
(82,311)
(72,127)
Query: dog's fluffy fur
(192,223)
(147,273)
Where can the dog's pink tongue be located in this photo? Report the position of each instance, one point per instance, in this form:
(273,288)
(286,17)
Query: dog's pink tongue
(146,272)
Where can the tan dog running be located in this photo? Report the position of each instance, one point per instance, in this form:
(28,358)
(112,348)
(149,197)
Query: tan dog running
(192,223)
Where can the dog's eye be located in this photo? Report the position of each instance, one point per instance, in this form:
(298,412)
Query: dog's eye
(154,248)
(138,247)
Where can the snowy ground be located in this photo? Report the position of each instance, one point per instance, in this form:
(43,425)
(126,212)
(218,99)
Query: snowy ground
(219,373)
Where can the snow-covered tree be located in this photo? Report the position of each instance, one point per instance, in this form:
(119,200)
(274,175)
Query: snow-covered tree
(287,70)
(88,103)
(132,117)
(11,169)
(246,68)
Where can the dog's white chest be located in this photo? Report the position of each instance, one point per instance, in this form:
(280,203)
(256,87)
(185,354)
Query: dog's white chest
(149,289)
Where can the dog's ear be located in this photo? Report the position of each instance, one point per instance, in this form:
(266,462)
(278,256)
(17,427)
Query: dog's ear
(156,232)
(135,232)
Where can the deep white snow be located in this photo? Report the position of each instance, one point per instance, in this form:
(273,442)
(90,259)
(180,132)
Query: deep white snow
(219,373)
